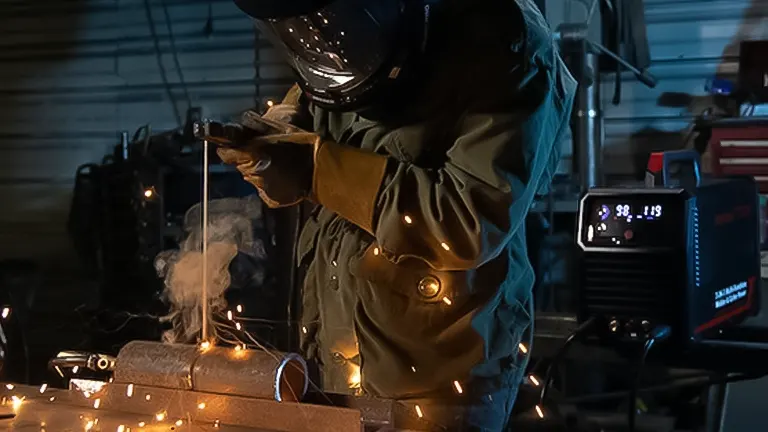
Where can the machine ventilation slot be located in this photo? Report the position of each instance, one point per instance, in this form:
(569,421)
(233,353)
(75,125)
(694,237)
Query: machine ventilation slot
(631,285)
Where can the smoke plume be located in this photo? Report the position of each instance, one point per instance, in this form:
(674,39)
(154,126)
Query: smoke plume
(230,235)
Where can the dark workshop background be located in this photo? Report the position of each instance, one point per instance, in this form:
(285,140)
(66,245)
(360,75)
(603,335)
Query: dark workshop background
(74,73)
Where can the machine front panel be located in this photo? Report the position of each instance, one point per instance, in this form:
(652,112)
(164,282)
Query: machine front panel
(634,221)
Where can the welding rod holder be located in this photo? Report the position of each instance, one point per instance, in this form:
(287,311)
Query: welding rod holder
(251,126)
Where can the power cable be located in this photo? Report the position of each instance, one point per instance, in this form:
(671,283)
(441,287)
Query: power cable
(159,56)
(175,53)
(657,334)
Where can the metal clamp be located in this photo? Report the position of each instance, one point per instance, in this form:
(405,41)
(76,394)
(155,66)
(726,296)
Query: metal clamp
(92,361)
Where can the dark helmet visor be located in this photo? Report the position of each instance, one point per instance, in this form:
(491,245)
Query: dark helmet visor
(339,45)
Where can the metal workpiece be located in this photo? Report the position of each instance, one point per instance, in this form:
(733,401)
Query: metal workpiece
(155,364)
(251,373)
(232,371)
(124,407)
(186,387)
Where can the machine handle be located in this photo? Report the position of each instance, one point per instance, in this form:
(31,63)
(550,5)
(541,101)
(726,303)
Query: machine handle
(659,165)
(681,156)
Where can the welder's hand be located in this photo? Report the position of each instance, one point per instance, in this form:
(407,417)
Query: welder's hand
(283,113)
(288,111)
(280,166)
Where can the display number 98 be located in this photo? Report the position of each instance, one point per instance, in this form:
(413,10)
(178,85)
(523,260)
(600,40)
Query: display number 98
(622,210)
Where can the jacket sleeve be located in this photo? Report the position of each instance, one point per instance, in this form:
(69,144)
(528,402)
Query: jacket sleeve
(461,214)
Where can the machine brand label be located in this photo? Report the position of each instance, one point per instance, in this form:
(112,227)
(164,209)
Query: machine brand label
(731,294)
(739,212)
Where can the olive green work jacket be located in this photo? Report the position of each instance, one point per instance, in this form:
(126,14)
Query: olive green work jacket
(431,286)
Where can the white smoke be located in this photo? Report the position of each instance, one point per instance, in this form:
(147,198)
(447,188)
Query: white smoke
(230,232)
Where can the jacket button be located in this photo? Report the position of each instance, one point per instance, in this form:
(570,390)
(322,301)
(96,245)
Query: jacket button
(429,287)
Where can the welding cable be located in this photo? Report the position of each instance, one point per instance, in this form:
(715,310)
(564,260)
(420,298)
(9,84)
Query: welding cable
(175,53)
(657,334)
(160,65)
(577,334)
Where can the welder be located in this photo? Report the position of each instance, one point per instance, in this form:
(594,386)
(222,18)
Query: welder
(422,130)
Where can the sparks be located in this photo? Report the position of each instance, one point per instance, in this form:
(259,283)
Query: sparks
(418,411)
(52,398)
(148,397)
(354,378)
(97,403)
(201,405)
(43,388)
(270,103)
(376,251)
(216,424)
(9,386)
(447,301)
(6,312)
(539,411)
(58,370)
(534,380)
(89,425)
(16,402)
(445,246)
(230,316)
(457,385)
(148,193)
(160,416)
(238,326)
(76,369)
(407,219)
(129,390)
(205,346)
(413,368)
(523,348)
(239,308)
(304,330)
(121,428)
(179,422)
(142,424)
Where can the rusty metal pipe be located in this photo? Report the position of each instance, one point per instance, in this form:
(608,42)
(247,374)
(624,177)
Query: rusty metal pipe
(250,373)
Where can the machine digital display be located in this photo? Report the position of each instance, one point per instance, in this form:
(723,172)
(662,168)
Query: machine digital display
(633,221)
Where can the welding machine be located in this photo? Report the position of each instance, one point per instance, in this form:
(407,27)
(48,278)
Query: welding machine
(683,254)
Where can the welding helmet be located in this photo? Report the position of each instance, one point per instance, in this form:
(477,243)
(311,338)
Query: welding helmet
(347,53)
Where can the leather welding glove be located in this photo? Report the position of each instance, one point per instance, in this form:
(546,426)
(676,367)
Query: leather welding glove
(280,166)
(290,110)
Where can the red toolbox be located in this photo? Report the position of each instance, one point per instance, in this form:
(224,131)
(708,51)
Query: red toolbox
(740,147)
